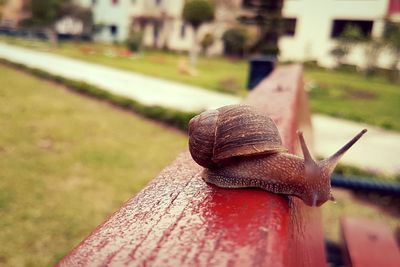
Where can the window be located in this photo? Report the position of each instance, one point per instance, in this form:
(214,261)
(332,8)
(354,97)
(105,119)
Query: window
(183,30)
(265,5)
(289,26)
(339,25)
(113,30)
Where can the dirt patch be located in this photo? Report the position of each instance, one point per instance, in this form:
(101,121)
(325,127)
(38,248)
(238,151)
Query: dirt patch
(324,86)
(157,59)
(229,85)
(355,93)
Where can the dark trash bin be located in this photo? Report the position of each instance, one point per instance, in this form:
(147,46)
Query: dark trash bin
(260,67)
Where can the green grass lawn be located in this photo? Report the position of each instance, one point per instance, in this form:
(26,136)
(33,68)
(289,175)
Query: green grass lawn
(348,95)
(66,163)
(352,96)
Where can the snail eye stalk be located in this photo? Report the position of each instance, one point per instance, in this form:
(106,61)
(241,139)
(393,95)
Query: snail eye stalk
(306,153)
(331,162)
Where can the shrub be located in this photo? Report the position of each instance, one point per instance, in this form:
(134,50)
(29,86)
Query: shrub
(197,12)
(206,42)
(392,39)
(134,41)
(235,41)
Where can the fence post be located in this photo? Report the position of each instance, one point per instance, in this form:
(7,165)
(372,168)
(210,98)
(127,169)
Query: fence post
(178,220)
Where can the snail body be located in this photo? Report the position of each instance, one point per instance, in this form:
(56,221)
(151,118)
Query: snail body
(238,147)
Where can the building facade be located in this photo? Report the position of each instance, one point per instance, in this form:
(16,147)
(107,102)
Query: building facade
(316,24)
(13,12)
(160,21)
(320,22)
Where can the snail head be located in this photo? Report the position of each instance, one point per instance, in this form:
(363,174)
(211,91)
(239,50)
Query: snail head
(318,173)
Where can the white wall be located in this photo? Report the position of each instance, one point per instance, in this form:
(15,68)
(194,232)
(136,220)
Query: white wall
(312,40)
(106,13)
(178,42)
(225,17)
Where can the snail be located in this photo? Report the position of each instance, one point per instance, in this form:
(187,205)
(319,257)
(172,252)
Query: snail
(239,147)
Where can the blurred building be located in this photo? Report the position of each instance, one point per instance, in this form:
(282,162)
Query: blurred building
(13,12)
(160,21)
(314,25)
(318,23)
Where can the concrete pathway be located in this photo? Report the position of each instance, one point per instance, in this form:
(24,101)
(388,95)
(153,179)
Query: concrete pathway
(377,150)
(145,89)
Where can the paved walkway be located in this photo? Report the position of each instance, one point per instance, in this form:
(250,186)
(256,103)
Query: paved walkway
(145,89)
(377,150)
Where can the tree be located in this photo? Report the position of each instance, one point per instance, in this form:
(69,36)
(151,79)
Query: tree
(235,41)
(2,3)
(70,9)
(195,13)
(134,41)
(350,36)
(206,42)
(267,15)
(45,13)
(339,53)
(373,48)
(391,37)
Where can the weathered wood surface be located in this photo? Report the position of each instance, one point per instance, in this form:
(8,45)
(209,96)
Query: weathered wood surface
(178,220)
(368,243)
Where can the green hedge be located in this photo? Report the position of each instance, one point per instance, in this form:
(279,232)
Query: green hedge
(176,118)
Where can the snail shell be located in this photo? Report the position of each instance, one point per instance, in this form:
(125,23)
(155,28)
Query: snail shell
(231,131)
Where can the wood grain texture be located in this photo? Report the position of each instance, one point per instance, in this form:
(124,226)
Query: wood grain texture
(369,243)
(179,220)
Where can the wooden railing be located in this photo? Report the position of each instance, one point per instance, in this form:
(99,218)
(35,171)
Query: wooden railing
(179,220)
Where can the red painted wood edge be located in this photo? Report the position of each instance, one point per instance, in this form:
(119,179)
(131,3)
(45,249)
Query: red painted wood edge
(393,7)
(178,220)
(369,243)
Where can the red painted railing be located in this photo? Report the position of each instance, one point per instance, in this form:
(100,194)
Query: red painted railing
(394,7)
(179,220)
